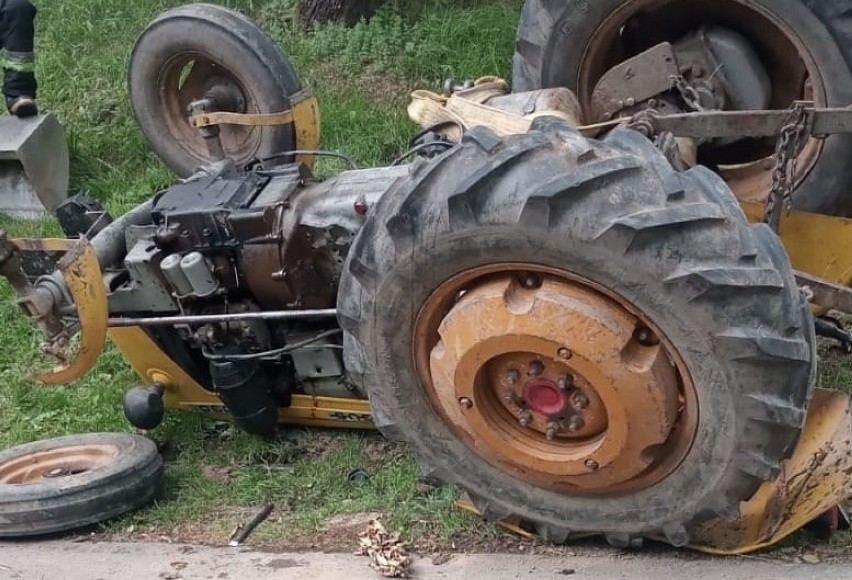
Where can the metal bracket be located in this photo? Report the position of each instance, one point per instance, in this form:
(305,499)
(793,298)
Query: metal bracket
(79,266)
(244,119)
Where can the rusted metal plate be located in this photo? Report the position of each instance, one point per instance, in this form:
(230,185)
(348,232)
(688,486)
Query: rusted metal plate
(741,124)
(634,81)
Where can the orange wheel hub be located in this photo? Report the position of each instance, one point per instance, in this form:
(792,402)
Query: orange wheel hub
(554,380)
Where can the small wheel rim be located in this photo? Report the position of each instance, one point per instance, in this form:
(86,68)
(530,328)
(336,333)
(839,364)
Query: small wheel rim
(190,76)
(749,178)
(598,404)
(56,465)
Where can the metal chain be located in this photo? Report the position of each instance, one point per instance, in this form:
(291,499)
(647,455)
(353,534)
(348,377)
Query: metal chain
(789,144)
(688,93)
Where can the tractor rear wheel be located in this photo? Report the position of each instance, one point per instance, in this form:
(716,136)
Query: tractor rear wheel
(579,335)
(572,43)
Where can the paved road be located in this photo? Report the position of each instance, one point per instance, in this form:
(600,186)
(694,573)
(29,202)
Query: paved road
(58,560)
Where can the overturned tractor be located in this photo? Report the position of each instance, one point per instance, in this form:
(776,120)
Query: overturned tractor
(553,299)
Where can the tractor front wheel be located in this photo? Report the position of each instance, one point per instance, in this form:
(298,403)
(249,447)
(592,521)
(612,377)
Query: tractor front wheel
(579,335)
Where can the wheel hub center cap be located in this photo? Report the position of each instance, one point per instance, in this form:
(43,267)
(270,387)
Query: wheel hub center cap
(545,397)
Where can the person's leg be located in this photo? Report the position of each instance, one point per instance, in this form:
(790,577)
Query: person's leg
(17,31)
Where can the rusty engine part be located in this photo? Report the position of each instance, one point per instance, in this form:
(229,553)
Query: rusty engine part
(234,274)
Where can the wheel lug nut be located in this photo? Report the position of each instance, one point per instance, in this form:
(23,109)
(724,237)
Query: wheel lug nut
(580,401)
(646,337)
(565,382)
(536,368)
(565,353)
(576,423)
(525,418)
(465,403)
(531,281)
(512,377)
(592,465)
(552,430)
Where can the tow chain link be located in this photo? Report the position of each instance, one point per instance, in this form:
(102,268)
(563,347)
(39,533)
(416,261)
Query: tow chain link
(790,142)
(688,93)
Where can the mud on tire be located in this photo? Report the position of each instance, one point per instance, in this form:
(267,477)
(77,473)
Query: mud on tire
(675,245)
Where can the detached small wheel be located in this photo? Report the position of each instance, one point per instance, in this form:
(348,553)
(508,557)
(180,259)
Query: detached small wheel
(202,51)
(74,481)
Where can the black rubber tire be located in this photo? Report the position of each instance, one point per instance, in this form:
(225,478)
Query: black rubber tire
(233,42)
(56,505)
(675,245)
(553,36)
(837,16)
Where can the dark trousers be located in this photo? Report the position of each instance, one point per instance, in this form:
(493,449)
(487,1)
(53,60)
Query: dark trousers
(17,36)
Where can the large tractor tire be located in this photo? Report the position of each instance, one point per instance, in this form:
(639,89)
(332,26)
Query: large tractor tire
(572,43)
(579,335)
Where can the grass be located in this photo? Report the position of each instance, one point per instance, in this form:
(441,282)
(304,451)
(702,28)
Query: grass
(216,475)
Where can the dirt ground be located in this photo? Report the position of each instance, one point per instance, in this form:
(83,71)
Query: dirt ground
(139,561)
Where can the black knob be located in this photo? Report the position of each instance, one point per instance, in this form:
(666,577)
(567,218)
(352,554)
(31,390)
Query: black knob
(144,408)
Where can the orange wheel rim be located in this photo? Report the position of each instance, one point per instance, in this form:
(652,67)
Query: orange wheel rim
(56,464)
(555,380)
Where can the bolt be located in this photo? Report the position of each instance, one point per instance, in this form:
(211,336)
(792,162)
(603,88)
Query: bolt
(565,382)
(580,401)
(525,418)
(465,403)
(510,397)
(576,423)
(512,377)
(536,368)
(565,353)
(532,281)
(552,430)
(592,465)
(630,101)
(646,337)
